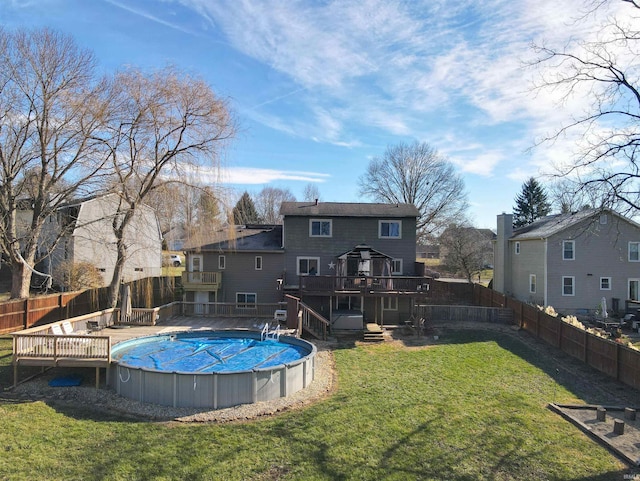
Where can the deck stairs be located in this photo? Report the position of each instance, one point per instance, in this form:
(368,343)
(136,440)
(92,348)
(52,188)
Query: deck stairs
(373,333)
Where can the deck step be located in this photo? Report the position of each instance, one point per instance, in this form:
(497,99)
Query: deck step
(373,333)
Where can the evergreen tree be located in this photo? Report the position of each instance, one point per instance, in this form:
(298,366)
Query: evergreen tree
(244,211)
(531,204)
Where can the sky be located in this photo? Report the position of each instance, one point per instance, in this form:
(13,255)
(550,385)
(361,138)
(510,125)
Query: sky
(319,88)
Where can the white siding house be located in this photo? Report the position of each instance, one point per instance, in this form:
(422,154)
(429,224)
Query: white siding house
(89,237)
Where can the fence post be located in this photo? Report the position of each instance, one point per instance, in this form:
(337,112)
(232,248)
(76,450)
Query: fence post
(560,323)
(27,310)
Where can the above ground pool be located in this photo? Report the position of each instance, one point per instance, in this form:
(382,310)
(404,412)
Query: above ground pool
(212,369)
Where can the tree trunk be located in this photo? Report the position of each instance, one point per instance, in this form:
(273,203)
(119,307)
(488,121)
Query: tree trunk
(20,281)
(118,271)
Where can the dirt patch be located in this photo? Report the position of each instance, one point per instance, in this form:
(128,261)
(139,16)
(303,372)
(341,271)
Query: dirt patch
(625,445)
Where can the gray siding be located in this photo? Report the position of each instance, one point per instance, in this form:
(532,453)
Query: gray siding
(347,232)
(599,251)
(529,261)
(240,275)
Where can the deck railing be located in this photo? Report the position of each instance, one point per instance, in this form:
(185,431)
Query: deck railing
(55,348)
(363,284)
(207,278)
(41,342)
(226,309)
(310,321)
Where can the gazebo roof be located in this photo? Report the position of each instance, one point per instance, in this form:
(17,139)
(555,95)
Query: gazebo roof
(365,252)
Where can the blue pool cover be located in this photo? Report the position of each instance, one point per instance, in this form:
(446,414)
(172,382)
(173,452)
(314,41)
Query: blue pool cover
(207,354)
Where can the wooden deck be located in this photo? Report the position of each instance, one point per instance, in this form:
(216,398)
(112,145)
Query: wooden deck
(94,349)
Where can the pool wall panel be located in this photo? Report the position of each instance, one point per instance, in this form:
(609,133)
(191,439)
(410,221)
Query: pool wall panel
(215,390)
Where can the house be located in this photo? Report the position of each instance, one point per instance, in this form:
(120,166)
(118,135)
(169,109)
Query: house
(242,268)
(351,262)
(81,232)
(569,261)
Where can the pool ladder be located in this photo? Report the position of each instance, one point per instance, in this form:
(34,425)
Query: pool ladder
(273,334)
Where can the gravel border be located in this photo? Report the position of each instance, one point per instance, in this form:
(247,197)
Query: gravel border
(106,401)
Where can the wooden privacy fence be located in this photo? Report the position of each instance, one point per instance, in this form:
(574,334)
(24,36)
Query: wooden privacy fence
(464,313)
(605,355)
(21,314)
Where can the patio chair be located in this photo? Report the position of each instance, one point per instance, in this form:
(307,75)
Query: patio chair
(56,330)
(67,327)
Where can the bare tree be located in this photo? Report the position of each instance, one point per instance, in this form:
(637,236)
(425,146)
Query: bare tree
(268,202)
(166,125)
(51,117)
(417,174)
(605,162)
(567,195)
(465,249)
(311,193)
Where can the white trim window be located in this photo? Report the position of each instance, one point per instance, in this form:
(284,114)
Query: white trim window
(634,251)
(634,289)
(568,250)
(605,283)
(532,283)
(246,300)
(390,303)
(222,262)
(308,266)
(396,267)
(320,228)
(568,286)
(516,248)
(258,263)
(390,229)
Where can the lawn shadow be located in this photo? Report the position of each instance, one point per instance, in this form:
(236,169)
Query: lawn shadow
(577,377)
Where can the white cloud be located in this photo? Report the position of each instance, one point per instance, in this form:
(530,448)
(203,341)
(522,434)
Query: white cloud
(251,175)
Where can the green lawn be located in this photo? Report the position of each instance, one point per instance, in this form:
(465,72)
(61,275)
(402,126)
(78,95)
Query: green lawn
(471,408)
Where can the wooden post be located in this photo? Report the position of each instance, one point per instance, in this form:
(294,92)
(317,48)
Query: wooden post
(601,414)
(630,414)
(618,426)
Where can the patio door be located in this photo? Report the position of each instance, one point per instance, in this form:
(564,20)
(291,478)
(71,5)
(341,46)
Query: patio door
(201,302)
(195,268)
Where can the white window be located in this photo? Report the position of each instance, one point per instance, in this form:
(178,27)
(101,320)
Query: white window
(390,229)
(517,248)
(390,303)
(634,289)
(568,250)
(532,283)
(222,262)
(396,267)
(604,219)
(246,300)
(568,286)
(320,228)
(308,266)
(258,263)
(634,251)
(605,283)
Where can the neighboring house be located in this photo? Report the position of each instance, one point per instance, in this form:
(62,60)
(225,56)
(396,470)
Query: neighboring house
(427,251)
(569,261)
(87,236)
(351,262)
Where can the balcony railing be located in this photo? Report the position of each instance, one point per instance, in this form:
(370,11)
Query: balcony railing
(363,284)
(202,280)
